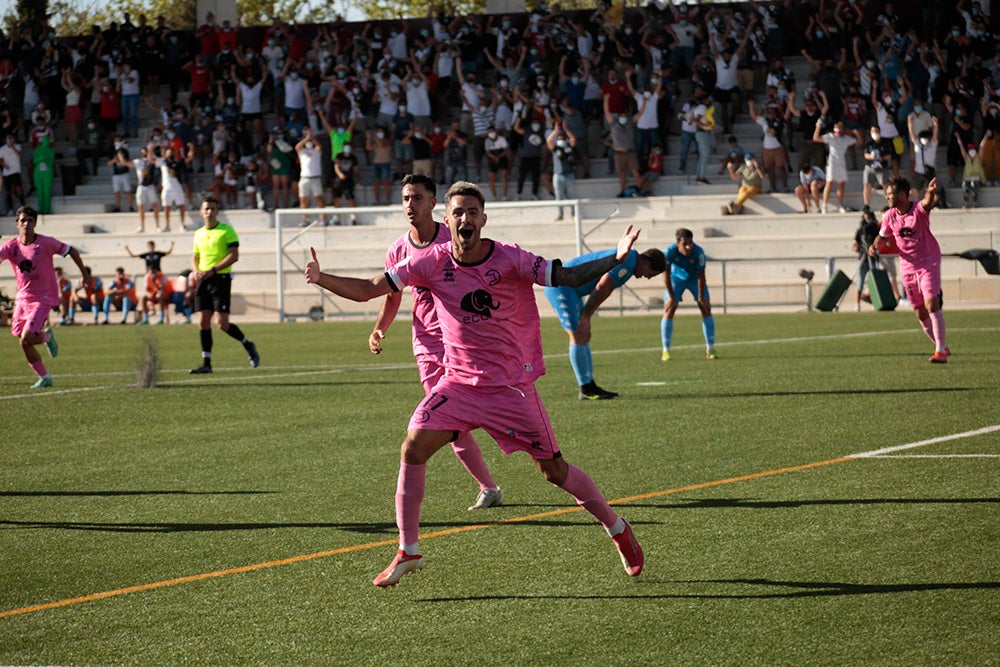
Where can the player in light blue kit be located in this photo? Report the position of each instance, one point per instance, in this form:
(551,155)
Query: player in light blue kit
(687,273)
(574,314)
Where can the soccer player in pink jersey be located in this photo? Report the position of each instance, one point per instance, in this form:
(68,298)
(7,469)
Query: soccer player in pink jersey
(908,224)
(419,198)
(485,302)
(37,288)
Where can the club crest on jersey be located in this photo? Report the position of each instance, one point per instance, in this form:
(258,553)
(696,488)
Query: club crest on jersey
(481,304)
(26,266)
(449,272)
(492,277)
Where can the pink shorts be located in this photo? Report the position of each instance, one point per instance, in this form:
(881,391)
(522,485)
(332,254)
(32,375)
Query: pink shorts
(30,315)
(513,416)
(920,283)
(431,371)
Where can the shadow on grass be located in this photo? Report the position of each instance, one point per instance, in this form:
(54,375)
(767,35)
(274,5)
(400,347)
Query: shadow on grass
(251,383)
(805,589)
(743,503)
(847,391)
(113,494)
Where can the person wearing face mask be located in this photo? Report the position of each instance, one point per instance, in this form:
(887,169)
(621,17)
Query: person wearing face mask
(990,144)
(878,158)
(751,177)
(561,142)
(925,145)
(961,135)
(420,144)
(208,36)
(838,142)
(973,174)
(345,174)
(311,175)
(622,135)
(886,108)
(497,152)
(379,146)
(647,122)
(529,126)
(296,91)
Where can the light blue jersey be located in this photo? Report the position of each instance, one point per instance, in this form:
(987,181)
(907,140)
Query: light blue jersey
(568,301)
(684,271)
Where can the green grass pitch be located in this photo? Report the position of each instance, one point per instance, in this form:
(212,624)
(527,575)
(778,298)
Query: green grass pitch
(238,518)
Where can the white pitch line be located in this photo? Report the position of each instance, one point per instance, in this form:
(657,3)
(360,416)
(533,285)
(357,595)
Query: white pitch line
(936,456)
(924,443)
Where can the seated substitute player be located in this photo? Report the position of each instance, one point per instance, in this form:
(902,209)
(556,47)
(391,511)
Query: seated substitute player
(92,299)
(419,198)
(909,225)
(156,296)
(216,249)
(121,295)
(37,290)
(687,273)
(485,301)
(575,315)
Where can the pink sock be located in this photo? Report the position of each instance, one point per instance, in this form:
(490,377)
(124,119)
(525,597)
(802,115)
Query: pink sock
(409,495)
(579,485)
(928,329)
(468,452)
(39,368)
(938,329)
(46,336)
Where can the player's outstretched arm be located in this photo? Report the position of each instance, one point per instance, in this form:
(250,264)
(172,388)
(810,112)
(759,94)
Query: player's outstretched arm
(355,289)
(581,274)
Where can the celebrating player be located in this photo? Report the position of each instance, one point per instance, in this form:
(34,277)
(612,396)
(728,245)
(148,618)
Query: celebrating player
(489,320)
(37,290)
(418,204)
(574,314)
(909,225)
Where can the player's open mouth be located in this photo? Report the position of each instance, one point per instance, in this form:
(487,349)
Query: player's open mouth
(466,233)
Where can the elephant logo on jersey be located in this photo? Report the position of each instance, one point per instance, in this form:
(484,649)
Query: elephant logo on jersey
(906,232)
(479,302)
(26,266)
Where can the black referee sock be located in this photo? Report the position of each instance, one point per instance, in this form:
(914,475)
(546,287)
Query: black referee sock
(206,346)
(236,333)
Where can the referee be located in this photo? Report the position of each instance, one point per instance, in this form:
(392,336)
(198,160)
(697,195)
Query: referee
(216,249)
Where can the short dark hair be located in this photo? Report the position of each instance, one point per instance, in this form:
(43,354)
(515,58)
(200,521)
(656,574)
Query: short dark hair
(465,188)
(28,211)
(899,184)
(208,199)
(420,179)
(657,260)
(683,233)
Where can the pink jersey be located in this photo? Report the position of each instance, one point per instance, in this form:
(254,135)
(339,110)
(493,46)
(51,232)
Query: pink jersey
(912,232)
(33,267)
(487,311)
(426,329)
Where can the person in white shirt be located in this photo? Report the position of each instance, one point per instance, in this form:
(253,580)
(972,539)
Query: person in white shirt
(838,142)
(311,171)
(10,164)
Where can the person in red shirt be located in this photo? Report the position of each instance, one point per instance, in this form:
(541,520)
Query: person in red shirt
(157,296)
(208,37)
(616,92)
(110,108)
(201,80)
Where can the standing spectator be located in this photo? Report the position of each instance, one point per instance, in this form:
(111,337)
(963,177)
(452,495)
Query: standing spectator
(152,257)
(10,164)
(37,290)
(110,109)
(379,147)
(961,135)
(864,237)
(810,116)
(702,135)
(172,194)
(208,36)
(878,157)
(456,154)
(420,144)
(886,109)
(532,148)
(311,176)
(688,128)
(249,93)
(972,175)
(989,147)
(145,192)
(498,157)
(622,146)
(128,88)
(44,159)
(281,156)
(121,168)
(561,142)
(72,84)
(836,163)
(752,179)
(727,90)
(774,153)
(345,174)
(925,147)
(216,250)
(908,224)
(686,262)
(647,122)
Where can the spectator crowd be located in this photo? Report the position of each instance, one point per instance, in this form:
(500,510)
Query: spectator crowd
(287,115)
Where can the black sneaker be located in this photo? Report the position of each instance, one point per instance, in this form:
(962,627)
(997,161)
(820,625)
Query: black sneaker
(204,368)
(254,357)
(591,392)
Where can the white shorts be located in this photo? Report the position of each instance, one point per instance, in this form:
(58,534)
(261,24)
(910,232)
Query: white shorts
(836,173)
(145,195)
(311,187)
(121,183)
(172,197)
